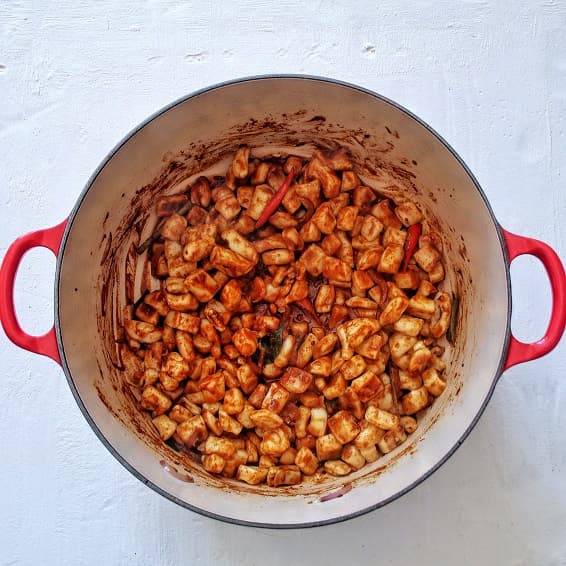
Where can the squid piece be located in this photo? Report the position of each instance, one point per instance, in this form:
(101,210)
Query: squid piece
(440,320)
(283,475)
(354,332)
(238,244)
(408,213)
(383,211)
(274,442)
(324,219)
(325,298)
(202,285)
(391,258)
(313,258)
(154,400)
(349,181)
(316,169)
(231,295)
(266,419)
(306,461)
(347,218)
(367,386)
(173,227)
(251,475)
(427,258)
(371,228)
(217,315)
(143,332)
(344,426)
(240,165)
(198,242)
(262,195)
(328,447)
(229,262)
(394,236)
(336,270)
(309,191)
(228,207)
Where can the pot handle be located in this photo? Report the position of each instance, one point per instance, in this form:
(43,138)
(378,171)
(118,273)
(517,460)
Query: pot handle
(520,352)
(51,239)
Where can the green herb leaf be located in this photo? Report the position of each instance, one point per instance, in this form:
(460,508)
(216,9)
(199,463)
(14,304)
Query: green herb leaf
(271,344)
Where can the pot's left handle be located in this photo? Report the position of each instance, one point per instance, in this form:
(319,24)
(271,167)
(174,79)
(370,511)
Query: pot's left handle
(51,239)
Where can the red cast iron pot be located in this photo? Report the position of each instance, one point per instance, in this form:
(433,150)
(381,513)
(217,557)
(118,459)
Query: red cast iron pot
(397,154)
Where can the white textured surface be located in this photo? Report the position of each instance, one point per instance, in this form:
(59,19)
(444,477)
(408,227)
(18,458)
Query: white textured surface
(489,76)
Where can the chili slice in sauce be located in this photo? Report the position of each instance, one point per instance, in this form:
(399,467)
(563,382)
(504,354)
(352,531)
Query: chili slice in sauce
(275,200)
(414,233)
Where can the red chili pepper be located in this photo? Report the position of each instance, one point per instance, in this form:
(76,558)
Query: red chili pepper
(306,305)
(275,200)
(414,235)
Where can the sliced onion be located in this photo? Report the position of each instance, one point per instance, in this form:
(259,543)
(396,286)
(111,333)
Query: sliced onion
(336,494)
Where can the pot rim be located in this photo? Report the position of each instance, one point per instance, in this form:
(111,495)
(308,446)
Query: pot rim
(91,420)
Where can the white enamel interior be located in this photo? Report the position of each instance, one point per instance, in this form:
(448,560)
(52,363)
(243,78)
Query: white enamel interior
(445,191)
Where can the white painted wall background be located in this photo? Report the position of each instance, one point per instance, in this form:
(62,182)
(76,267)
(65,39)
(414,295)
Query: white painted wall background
(489,76)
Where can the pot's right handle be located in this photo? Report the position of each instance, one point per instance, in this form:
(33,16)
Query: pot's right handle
(51,239)
(520,352)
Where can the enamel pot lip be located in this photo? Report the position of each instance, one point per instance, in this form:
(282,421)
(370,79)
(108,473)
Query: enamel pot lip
(91,420)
